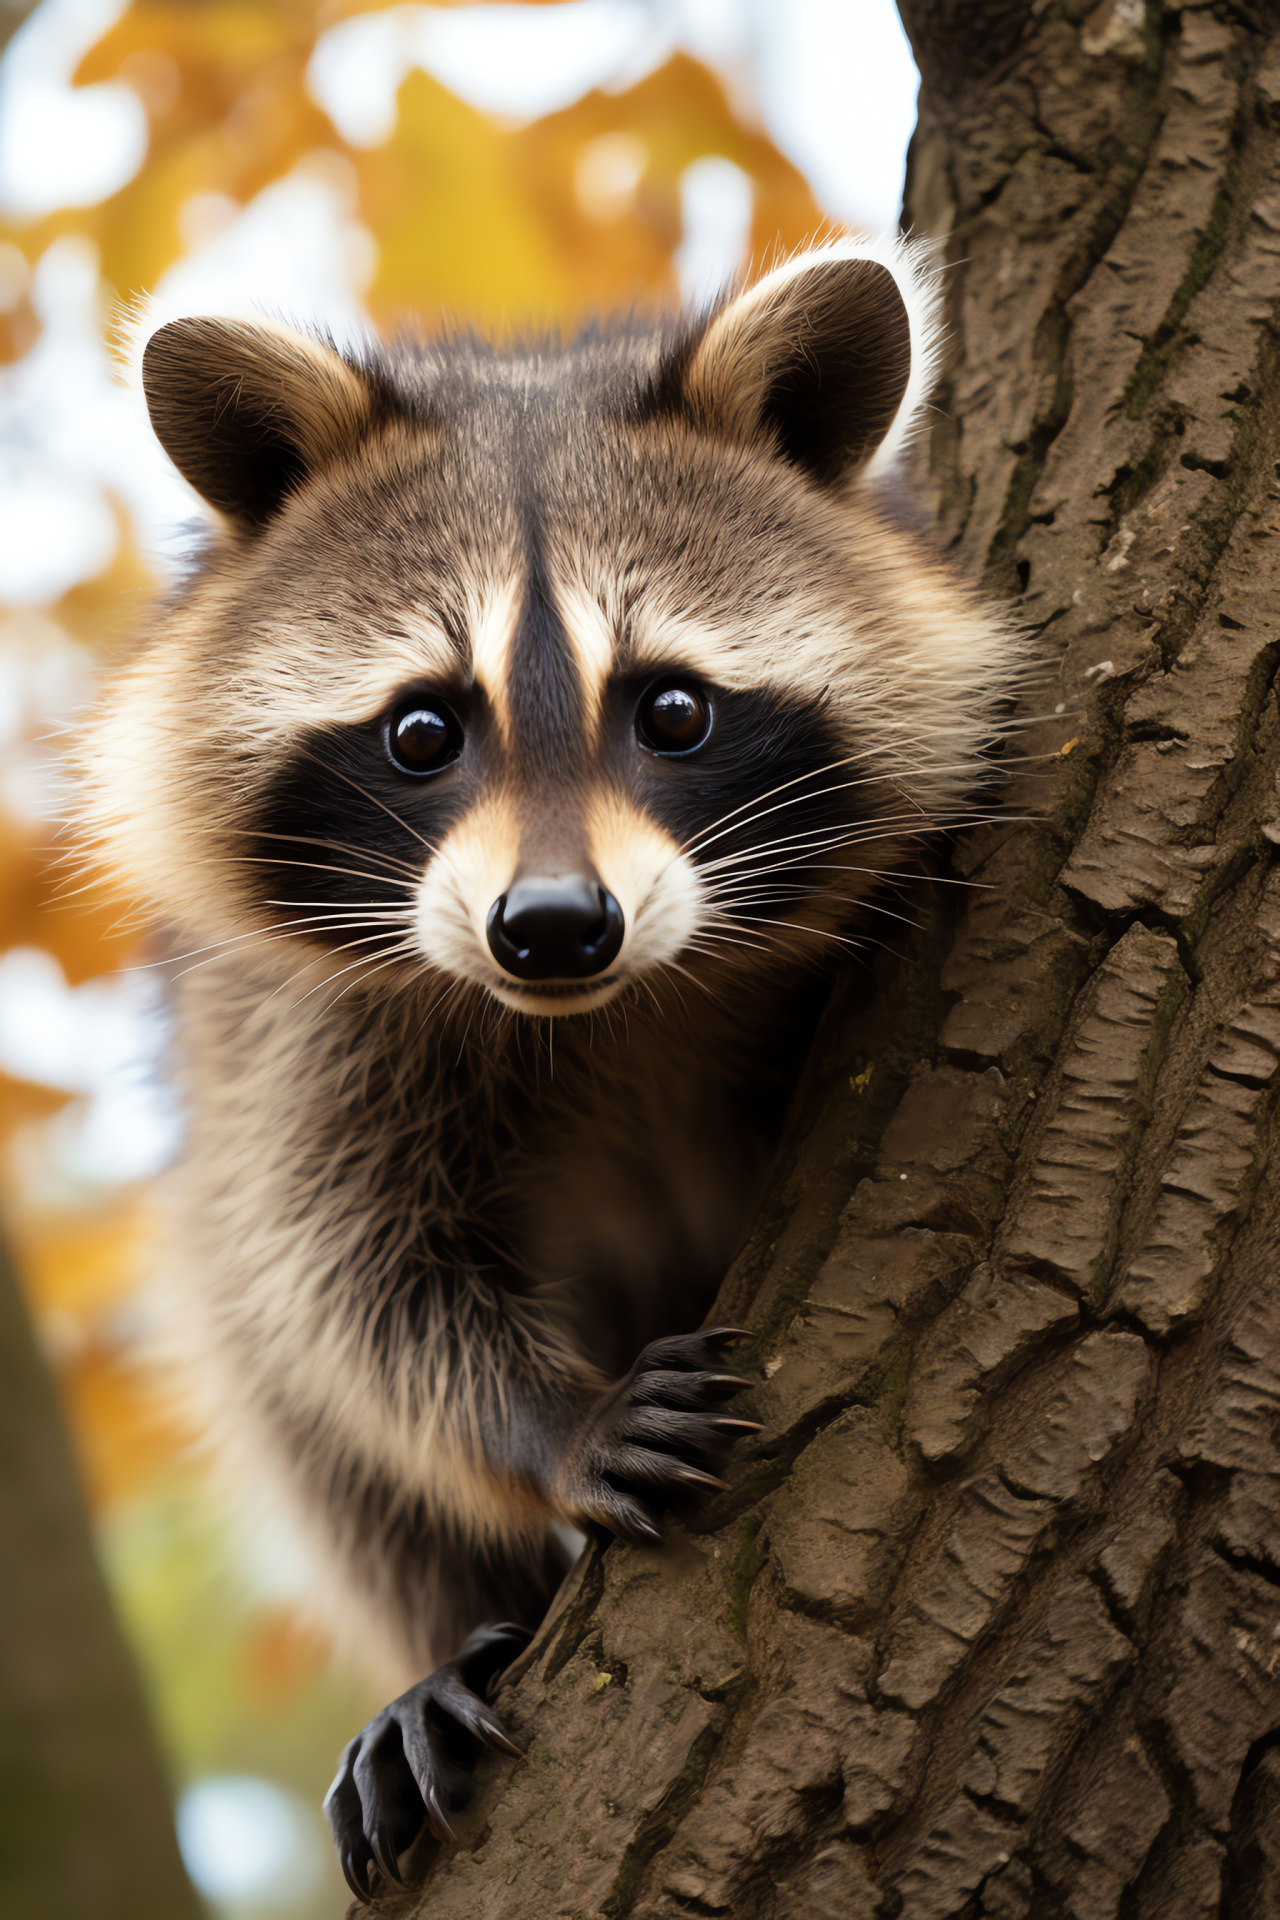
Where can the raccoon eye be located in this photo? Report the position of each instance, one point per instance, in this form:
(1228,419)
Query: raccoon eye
(422,737)
(673,718)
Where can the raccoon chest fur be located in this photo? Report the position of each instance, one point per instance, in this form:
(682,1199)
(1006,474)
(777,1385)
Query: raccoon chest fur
(632,1208)
(600,1181)
(645,1226)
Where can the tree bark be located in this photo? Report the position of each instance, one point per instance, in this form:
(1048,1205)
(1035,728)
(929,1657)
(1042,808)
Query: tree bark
(86,1819)
(990,1621)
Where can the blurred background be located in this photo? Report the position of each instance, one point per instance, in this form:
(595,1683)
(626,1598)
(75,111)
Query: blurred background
(351,164)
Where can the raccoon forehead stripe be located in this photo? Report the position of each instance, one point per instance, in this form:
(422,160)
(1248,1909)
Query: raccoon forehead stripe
(590,638)
(544,688)
(491,622)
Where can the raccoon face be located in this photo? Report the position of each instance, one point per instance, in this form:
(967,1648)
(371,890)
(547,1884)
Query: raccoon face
(550,670)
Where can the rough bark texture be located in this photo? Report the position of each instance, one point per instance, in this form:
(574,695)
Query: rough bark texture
(86,1820)
(990,1623)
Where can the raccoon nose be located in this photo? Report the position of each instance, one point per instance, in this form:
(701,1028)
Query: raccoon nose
(555,927)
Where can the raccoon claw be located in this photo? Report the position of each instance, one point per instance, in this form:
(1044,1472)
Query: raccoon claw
(413,1761)
(659,1434)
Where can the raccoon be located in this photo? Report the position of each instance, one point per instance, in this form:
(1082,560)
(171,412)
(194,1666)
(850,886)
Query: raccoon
(536,727)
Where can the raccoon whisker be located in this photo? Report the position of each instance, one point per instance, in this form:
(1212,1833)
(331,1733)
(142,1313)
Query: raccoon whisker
(796,889)
(367,970)
(796,847)
(465,1031)
(449,991)
(319,866)
(924,879)
(758,886)
(729,906)
(704,934)
(816,773)
(942,817)
(824,933)
(264,940)
(714,991)
(342,919)
(877,828)
(673,966)
(256,933)
(870,906)
(828,839)
(370,970)
(725,957)
(808,956)
(367,939)
(909,798)
(914,879)
(802,926)
(947,812)
(363,909)
(366,960)
(785,900)
(802,862)
(732,892)
(789,857)
(734,911)
(795,873)
(266,937)
(90,880)
(728,887)
(798,799)
(373,800)
(643,984)
(735,932)
(343,846)
(315,960)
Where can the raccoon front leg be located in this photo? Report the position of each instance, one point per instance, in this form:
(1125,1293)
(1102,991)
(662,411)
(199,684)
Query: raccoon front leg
(418,1754)
(652,1439)
(445,1585)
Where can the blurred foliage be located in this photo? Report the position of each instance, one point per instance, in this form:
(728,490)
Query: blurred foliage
(483,221)
(549,221)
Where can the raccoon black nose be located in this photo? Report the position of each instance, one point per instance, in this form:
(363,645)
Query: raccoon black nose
(561,927)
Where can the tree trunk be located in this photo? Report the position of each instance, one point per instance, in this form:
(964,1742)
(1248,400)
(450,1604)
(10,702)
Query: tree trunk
(990,1622)
(86,1821)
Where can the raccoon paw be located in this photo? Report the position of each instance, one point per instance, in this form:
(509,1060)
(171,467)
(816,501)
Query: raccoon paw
(658,1435)
(414,1760)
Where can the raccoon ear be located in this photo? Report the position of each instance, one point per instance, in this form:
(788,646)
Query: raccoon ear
(248,412)
(817,357)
